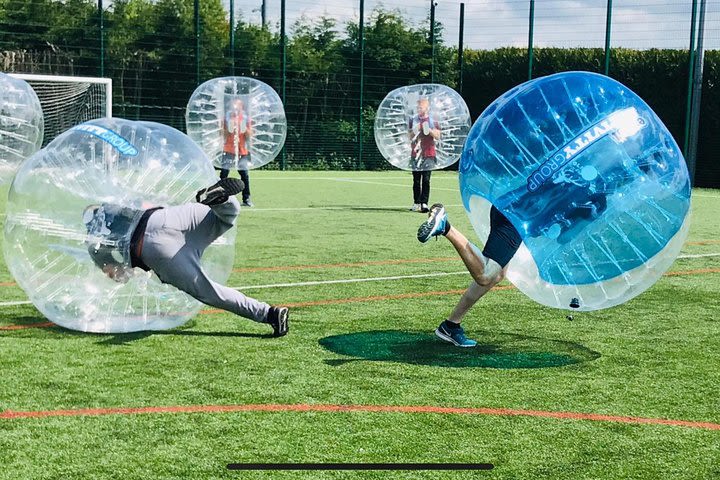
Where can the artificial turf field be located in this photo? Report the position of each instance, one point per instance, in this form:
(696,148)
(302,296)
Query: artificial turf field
(370,342)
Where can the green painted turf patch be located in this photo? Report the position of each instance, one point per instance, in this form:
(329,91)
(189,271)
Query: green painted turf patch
(495,350)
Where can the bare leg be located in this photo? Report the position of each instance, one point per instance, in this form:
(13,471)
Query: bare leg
(469,298)
(485,271)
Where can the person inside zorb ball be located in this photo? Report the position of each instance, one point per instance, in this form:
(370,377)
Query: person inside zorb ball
(580,191)
(239,122)
(421,128)
(107,204)
(21,124)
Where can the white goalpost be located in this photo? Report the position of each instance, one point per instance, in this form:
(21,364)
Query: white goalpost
(67,101)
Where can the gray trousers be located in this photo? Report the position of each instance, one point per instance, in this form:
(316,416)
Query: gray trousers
(175,239)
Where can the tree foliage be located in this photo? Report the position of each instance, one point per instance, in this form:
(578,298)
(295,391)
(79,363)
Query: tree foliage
(150,53)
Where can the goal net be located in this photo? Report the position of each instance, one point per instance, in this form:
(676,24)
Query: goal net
(68,101)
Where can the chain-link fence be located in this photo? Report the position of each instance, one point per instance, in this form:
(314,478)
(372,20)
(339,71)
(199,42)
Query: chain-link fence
(332,62)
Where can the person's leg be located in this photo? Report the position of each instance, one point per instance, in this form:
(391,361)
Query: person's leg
(485,271)
(202,224)
(174,241)
(487,267)
(425,189)
(224,172)
(471,296)
(183,271)
(245,177)
(417,189)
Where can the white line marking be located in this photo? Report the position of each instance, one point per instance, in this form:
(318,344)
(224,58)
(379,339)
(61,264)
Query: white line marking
(391,184)
(347,207)
(350,280)
(10,304)
(437,177)
(706,195)
(699,255)
(358,280)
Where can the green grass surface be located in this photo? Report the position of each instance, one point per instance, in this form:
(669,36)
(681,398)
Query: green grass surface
(656,356)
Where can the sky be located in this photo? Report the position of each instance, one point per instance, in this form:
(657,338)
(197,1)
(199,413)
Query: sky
(489,24)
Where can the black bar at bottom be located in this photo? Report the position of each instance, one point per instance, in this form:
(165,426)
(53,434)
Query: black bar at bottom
(360,466)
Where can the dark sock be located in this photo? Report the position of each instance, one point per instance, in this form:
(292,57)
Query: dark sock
(447,227)
(451,325)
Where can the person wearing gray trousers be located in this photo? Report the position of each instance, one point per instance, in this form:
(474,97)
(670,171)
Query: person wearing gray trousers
(174,241)
(171,241)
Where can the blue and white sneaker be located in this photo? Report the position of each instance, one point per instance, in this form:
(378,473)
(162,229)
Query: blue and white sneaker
(454,335)
(436,224)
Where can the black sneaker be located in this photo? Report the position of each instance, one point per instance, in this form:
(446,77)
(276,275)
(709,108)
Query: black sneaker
(220,192)
(278,319)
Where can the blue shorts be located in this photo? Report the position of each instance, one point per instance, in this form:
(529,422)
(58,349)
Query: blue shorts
(503,241)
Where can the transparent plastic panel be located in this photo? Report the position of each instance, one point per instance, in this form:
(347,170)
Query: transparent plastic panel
(21,124)
(592,180)
(133,165)
(238,122)
(422,127)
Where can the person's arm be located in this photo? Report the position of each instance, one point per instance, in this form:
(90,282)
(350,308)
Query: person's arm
(229,125)
(102,257)
(435,131)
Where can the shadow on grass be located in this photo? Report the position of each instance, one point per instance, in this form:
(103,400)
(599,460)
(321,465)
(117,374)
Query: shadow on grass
(494,350)
(118,338)
(127,338)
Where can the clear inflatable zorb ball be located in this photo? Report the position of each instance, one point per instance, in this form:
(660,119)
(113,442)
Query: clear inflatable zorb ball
(238,122)
(422,127)
(21,124)
(591,179)
(79,199)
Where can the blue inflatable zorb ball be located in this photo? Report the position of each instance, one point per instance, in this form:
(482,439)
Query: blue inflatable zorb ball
(592,180)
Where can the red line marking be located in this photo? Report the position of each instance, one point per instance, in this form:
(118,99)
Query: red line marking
(28,325)
(375,298)
(692,272)
(7,284)
(704,242)
(342,265)
(337,301)
(324,408)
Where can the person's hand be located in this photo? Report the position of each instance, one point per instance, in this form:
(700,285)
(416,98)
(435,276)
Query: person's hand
(426,128)
(117,273)
(243,125)
(231,126)
(416,129)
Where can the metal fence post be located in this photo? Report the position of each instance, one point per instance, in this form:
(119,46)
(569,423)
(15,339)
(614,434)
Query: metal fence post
(691,71)
(283,67)
(101,15)
(432,41)
(531,27)
(696,94)
(461,51)
(608,24)
(361,45)
(197,42)
(232,37)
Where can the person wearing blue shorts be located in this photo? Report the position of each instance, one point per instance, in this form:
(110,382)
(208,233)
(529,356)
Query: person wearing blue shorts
(487,267)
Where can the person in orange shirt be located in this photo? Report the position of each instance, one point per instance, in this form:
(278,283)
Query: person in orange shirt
(237,129)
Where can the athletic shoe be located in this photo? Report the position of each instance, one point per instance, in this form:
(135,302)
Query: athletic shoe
(248,203)
(447,332)
(424,208)
(415,207)
(220,192)
(278,319)
(436,224)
